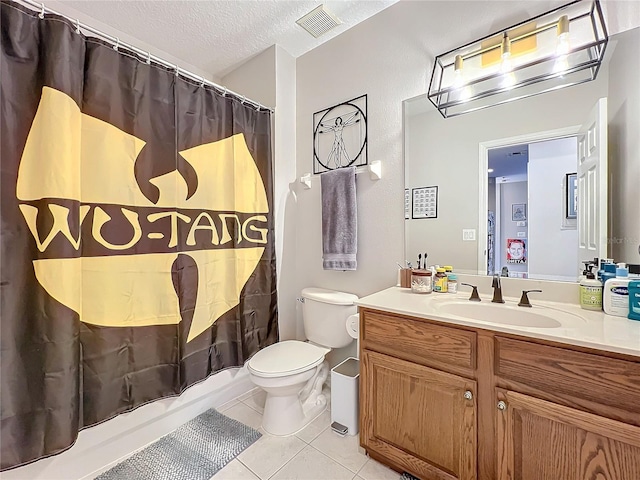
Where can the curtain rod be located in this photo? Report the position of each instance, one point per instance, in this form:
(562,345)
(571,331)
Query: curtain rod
(144,56)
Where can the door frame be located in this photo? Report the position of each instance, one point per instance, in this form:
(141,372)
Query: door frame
(483,160)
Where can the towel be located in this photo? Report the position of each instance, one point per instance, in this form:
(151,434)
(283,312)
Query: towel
(339,223)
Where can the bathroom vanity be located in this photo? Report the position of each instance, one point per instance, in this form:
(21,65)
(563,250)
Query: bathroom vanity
(547,393)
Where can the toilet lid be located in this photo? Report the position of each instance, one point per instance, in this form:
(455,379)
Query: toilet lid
(286,358)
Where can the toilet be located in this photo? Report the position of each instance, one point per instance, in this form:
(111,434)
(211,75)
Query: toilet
(293,372)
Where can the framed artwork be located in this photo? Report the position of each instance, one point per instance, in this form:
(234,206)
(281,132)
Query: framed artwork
(517,250)
(425,202)
(407,204)
(340,136)
(518,212)
(571,195)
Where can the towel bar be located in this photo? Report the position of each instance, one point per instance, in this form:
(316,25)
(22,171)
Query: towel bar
(374,169)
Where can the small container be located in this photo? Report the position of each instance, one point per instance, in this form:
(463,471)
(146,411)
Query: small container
(421,281)
(440,282)
(447,268)
(452,283)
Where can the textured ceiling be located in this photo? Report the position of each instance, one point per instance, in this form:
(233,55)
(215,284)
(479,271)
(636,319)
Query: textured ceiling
(219,35)
(213,37)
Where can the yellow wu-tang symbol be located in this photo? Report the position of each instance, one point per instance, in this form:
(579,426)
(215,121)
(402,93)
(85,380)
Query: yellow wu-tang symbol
(71,155)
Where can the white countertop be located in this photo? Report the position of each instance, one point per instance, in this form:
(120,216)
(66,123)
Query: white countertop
(577,326)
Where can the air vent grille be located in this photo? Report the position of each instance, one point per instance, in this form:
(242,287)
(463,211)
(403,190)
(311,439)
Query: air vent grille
(319,21)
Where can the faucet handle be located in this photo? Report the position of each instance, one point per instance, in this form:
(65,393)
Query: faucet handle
(474,294)
(524,300)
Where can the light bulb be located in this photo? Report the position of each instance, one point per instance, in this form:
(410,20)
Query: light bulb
(563,46)
(458,79)
(505,65)
(458,75)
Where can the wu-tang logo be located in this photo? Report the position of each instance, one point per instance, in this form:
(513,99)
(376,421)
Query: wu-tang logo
(106,250)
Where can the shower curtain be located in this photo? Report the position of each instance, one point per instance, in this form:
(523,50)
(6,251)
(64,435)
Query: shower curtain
(137,233)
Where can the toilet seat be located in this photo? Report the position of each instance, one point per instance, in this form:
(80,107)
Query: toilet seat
(286,358)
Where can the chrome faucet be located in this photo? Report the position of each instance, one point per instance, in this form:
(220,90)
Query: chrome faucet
(497,290)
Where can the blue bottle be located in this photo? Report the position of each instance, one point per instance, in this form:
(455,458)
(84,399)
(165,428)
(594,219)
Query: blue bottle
(634,300)
(609,272)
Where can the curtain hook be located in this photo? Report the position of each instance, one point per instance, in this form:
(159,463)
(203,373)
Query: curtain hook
(202,82)
(224,94)
(258,107)
(177,70)
(41,14)
(78,26)
(148,62)
(117,45)
(243,100)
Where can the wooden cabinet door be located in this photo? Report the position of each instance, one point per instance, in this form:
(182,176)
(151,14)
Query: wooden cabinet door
(540,440)
(418,418)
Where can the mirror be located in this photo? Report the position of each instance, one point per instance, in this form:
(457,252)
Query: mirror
(513,190)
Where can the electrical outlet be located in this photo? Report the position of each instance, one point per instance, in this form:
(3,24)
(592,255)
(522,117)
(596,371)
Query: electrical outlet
(468,234)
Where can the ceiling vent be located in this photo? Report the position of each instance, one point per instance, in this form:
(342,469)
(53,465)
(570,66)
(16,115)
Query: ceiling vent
(319,21)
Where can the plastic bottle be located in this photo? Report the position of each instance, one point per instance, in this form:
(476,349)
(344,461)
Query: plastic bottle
(634,299)
(616,293)
(591,292)
(609,272)
(452,283)
(440,281)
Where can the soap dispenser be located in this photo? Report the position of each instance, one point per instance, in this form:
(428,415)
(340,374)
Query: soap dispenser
(616,293)
(590,291)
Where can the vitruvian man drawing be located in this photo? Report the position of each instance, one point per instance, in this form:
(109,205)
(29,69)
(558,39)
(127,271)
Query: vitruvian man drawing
(340,136)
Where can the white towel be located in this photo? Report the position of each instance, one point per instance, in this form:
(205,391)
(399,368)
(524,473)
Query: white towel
(339,219)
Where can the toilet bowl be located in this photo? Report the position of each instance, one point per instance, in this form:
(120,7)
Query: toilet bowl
(292,372)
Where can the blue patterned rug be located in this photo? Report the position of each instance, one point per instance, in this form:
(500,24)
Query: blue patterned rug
(195,451)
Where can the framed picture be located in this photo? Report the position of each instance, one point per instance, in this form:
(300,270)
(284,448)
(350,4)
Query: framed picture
(571,195)
(425,202)
(340,136)
(518,212)
(517,250)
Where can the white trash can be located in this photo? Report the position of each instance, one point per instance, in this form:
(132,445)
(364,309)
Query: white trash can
(344,397)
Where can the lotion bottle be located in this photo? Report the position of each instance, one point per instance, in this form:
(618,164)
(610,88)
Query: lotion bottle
(616,293)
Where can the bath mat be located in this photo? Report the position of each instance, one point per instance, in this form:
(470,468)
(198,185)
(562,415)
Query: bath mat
(195,451)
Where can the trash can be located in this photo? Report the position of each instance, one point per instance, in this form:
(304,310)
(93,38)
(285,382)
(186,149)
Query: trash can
(344,397)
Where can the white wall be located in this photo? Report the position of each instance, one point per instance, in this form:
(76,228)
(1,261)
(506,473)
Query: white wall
(624,148)
(553,249)
(270,78)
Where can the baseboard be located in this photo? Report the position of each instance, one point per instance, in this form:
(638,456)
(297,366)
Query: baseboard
(103,446)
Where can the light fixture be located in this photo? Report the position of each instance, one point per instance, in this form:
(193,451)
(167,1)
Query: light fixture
(554,50)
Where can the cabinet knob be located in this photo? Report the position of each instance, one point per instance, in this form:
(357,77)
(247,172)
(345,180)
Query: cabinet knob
(468,395)
(502,405)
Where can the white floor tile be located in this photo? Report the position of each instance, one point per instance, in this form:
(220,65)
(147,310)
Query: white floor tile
(269,454)
(374,470)
(234,470)
(249,393)
(245,415)
(310,464)
(256,401)
(315,428)
(343,450)
(228,405)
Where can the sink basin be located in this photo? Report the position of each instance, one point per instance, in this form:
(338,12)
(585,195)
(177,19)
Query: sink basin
(507,314)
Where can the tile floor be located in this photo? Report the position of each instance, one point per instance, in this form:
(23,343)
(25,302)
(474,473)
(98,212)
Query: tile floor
(314,453)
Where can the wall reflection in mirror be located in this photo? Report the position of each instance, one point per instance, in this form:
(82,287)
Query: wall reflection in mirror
(533,187)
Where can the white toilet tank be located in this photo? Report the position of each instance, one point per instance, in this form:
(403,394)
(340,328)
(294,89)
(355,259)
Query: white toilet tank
(325,315)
